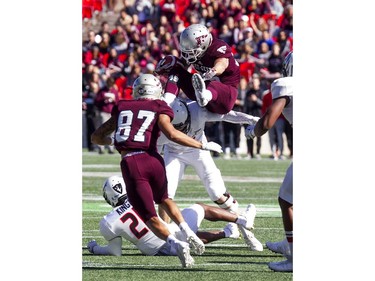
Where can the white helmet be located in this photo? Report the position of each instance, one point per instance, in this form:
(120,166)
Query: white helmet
(147,86)
(114,191)
(194,42)
(181,120)
(287,70)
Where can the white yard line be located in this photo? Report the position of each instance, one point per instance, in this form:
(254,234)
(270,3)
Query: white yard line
(194,177)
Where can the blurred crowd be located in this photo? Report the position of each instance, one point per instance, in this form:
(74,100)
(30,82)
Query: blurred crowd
(123,38)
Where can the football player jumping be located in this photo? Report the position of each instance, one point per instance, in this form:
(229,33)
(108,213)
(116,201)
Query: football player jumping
(215,84)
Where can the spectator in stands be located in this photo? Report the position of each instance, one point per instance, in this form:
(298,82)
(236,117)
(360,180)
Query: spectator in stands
(121,41)
(274,64)
(275,133)
(90,43)
(265,37)
(124,19)
(105,43)
(275,7)
(226,35)
(232,131)
(104,28)
(115,66)
(88,98)
(104,102)
(285,21)
(253,106)
(285,42)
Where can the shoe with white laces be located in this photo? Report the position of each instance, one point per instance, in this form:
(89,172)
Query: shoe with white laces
(231,231)
(282,266)
(250,239)
(247,218)
(281,247)
(183,252)
(195,243)
(202,95)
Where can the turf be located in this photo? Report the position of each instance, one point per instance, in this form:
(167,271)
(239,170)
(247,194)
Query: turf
(249,181)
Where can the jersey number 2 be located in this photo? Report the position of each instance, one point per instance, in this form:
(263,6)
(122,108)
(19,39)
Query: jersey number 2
(133,225)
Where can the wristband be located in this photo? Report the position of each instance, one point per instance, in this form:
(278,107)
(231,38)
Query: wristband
(204,146)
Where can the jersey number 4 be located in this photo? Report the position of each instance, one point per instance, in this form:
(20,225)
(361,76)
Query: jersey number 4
(125,120)
(133,225)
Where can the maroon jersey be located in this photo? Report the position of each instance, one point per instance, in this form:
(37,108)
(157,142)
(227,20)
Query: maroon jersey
(137,127)
(220,49)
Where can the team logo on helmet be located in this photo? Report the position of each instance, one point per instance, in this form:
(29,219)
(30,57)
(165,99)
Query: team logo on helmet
(118,188)
(200,39)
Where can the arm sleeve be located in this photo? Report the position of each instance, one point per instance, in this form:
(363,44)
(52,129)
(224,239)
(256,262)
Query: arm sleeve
(233,117)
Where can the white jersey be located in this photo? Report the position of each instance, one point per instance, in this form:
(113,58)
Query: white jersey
(284,87)
(124,222)
(178,157)
(199,117)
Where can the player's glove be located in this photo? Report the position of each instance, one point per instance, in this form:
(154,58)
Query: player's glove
(213,146)
(91,246)
(254,120)
(249,132)
(166,64)
(209,74)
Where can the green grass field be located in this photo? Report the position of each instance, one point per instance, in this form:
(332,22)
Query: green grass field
(249,181)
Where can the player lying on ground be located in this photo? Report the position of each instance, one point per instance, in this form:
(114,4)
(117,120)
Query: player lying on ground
(123,222)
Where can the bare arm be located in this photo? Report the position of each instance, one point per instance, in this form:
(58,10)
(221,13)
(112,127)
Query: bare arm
(220,65)
(210,236)
(101,135)
(174,135)
(269,118)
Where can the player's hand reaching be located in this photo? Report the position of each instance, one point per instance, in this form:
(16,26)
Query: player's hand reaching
(213,146)
(209,74)
(249,132)
(91,246)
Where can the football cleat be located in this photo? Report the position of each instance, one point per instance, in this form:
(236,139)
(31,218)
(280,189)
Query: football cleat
(183,252)
(247,218)
(195,243)
(250,239)
(202,95)
(281,247)
(231,231)
(282,266)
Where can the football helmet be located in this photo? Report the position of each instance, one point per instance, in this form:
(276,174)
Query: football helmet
(181,120)
(194,42)
(287,70)
(114,191)
(147,86)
